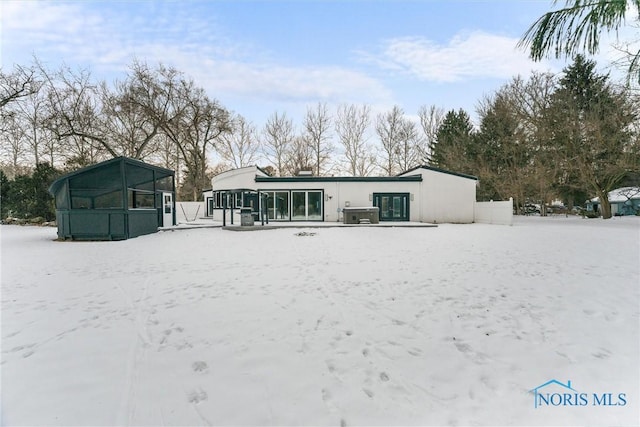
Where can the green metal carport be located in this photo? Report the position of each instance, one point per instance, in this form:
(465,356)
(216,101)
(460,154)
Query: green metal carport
(117,199)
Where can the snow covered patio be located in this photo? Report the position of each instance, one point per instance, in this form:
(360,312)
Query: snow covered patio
(452,325)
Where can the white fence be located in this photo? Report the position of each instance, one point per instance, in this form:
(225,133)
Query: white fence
(494,212)
(189,212)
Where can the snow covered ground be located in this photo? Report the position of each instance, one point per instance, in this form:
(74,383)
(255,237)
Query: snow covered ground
(453,325)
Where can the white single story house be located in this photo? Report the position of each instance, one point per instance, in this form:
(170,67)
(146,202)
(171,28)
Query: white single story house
(624,201)
(421,194)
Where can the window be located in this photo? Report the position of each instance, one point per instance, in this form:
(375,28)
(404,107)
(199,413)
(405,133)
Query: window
(100,188)
(139,178)
(79,201)
(210,205)
(141,199)
(217,199)
(61,197)
(112,200)
(165,183)
(96,199)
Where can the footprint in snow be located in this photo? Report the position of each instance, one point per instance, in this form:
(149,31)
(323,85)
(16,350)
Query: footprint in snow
(197,396)
(199,366)
(415,351)
(464,348)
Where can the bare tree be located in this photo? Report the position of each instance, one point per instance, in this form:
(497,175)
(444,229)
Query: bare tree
(17,84)
(351,124)
(317,125)
(430,120)
(152,90)
(239,148)
(113,120)
(186,116)
(13,145)
(630,193)
(407,151)
(201,124)
(389,128)
(301,156)
(128,129)
(73,116)
(31,112)
(278,135)
(546,171)
(166,154)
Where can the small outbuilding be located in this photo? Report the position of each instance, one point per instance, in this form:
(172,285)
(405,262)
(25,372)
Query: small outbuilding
(117,199)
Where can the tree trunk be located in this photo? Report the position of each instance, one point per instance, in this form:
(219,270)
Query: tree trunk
(605,205)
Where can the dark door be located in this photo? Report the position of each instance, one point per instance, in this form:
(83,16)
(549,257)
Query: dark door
(392,206)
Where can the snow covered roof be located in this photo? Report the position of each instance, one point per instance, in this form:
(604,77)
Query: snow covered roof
(621,194)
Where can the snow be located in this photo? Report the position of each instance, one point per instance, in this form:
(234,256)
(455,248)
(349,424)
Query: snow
(621,194)
(448,325)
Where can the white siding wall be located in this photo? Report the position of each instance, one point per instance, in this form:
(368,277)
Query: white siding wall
(495,212)
(237,178)
(358,195)
(446,197)
(440,197)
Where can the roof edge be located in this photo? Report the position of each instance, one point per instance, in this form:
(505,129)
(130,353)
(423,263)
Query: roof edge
(55,184)
(338,178)
(435,169)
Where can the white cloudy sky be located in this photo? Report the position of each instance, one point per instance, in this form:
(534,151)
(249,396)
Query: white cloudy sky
(258,57)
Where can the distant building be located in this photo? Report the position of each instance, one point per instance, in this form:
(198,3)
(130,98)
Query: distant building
(624,201)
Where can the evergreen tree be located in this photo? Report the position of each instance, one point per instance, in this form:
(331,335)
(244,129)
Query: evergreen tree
(28,196)
(19,197)
(592,131)
(503,152)
(576,29)
(43,203)
(4,191)
(454,148)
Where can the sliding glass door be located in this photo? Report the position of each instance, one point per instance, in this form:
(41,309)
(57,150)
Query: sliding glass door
(294,205)
(306,205)
(277,205)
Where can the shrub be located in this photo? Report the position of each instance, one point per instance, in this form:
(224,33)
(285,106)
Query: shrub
(28,196)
